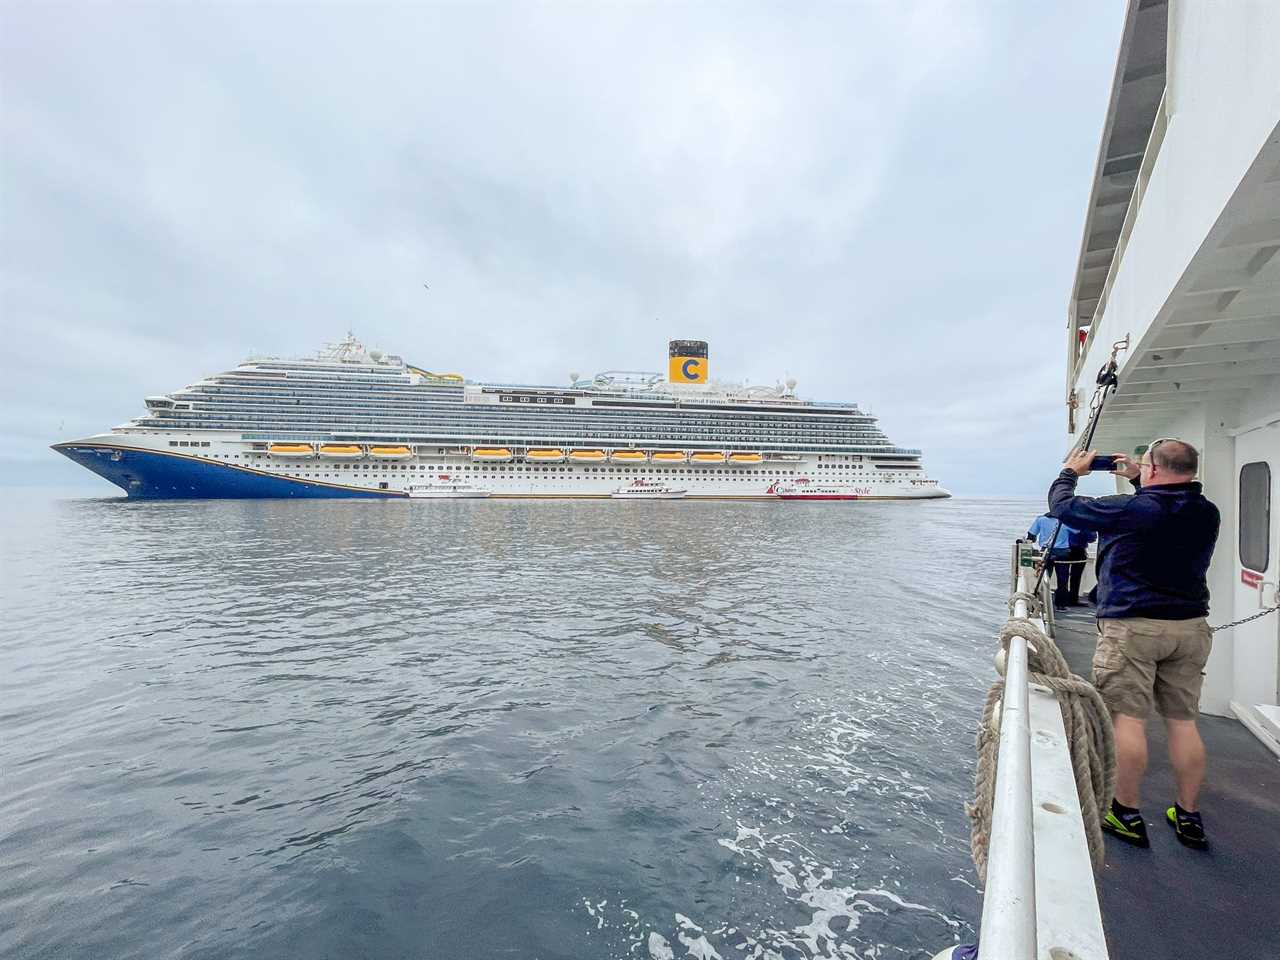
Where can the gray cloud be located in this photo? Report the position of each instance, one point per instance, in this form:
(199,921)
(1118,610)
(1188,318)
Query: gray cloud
(881,200)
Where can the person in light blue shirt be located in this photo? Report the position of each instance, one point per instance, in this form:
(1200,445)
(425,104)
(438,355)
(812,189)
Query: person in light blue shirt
(1078,555)
(1041,530)
(1058,553)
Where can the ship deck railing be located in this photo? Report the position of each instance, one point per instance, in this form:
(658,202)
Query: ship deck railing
(1166,901)
(1041,902)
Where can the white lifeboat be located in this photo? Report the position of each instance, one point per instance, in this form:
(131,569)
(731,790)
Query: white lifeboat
(648,490)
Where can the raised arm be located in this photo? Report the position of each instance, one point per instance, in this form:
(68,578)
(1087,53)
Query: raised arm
(1099,514)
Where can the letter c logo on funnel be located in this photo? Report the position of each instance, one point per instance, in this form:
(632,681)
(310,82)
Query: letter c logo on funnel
(690,369)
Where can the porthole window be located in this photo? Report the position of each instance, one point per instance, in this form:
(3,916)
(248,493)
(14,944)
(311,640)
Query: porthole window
(1255,516)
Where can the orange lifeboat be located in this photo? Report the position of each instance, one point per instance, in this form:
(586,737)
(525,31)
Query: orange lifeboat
(296,451)
(393,452)
(706,459)
(341,451)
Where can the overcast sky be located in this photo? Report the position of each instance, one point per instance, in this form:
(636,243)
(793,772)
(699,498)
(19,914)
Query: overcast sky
(884,201)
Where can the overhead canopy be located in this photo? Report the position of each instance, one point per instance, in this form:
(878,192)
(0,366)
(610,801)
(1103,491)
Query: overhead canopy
(1135,96)
(1219,335)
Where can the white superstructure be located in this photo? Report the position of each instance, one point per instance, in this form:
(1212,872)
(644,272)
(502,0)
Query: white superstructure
(1181,254)
(357,422)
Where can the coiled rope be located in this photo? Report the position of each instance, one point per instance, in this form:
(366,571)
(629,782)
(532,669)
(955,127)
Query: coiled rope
(1090,736)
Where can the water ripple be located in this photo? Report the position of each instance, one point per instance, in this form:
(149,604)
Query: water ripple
(534,729)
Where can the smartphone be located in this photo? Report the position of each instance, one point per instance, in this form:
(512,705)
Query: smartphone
(1106,464)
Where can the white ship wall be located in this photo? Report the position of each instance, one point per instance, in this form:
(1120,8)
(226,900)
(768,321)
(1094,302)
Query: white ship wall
(1199,244)
(228,451)
(1209,427)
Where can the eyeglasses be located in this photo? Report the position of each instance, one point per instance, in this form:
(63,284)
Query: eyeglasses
(1151,448)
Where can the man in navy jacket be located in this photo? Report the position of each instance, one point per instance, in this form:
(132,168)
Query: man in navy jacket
(1153,555)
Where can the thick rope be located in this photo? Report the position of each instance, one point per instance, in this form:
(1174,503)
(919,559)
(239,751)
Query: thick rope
(1087,723)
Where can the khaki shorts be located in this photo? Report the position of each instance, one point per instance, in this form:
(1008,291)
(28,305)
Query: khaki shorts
(1139,659)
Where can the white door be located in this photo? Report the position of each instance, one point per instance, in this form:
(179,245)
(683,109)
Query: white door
(1257,562)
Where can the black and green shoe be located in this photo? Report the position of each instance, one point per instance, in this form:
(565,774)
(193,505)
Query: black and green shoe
(1127,827)
(1188,827)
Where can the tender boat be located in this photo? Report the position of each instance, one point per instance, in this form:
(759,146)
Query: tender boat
(648,490)
(446,488)
(545,455)
(491,454)
(803,488)
(670,456)
(587,456)
(706,459)
(745,458)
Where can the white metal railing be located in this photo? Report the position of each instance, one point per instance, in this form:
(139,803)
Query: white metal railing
(1009,905)
(1040,901)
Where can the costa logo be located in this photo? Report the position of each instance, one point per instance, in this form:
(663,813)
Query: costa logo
(690,369)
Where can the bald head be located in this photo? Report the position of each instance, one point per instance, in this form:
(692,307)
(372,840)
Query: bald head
(1175,458)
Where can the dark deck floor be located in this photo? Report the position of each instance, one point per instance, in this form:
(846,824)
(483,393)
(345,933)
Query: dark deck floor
(1171,902)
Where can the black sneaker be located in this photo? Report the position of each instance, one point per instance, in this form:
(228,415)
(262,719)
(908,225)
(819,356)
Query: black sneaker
(1128,827)
(1188,827)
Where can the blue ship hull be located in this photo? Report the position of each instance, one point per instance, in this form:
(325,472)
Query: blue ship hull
(149,475)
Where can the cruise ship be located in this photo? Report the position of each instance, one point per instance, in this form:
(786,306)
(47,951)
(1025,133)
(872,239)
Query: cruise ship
(357,422)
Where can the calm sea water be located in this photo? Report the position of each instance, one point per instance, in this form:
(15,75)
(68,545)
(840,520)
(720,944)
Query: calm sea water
(491,729)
